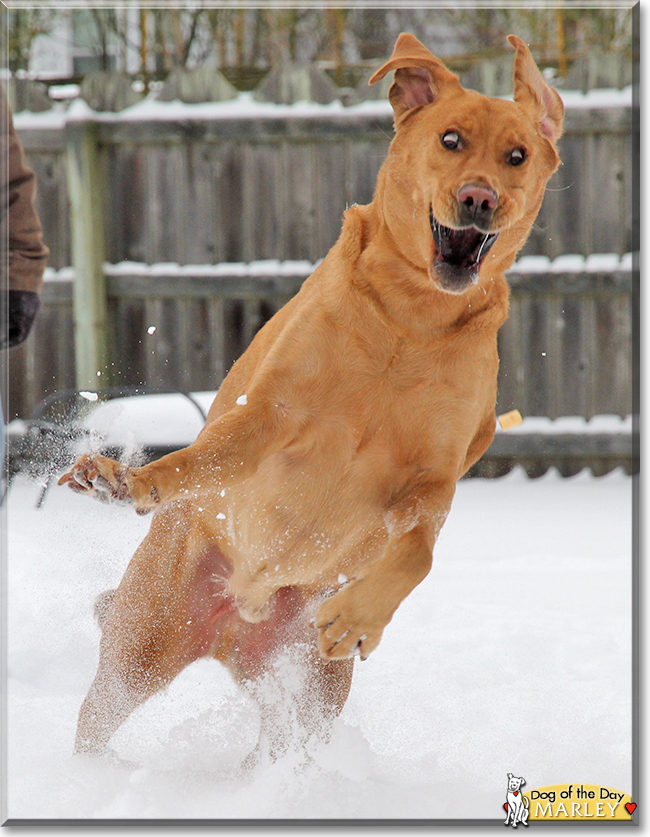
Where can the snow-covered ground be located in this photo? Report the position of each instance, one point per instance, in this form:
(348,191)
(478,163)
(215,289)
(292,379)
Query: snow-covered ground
(512,656)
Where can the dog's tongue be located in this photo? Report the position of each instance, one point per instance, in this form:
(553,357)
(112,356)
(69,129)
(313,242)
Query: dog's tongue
(460,246)
(459,254)
(463,247)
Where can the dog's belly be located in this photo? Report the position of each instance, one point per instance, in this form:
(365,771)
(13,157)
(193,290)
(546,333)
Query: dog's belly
(303,519)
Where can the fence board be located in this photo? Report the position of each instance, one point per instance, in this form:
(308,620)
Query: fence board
(159,244)
(200,195)
(511,370)
(534,356)
(300,202)
(366,158)
(129,340)
(573,377)
(613,368)
(127,213)
(262,201)
(589,353)
(331,192)
(230,191)
(217,336)
(157,346)
(182,210)
(554,324)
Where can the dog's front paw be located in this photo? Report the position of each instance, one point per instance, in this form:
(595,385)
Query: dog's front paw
(98,476)
(109,480)
(348,624)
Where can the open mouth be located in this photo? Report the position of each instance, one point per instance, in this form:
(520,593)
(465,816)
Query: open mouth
(459,254)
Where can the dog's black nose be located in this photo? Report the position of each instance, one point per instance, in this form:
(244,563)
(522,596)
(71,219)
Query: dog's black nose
(476,205)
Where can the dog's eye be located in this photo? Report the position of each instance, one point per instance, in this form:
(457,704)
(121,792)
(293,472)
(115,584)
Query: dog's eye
(517,156)
(451,140)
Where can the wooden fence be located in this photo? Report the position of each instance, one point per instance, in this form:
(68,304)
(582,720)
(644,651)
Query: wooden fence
(565,349)
(206,191)
(213,192)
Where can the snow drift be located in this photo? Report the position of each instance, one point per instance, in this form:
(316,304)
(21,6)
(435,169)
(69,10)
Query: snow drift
(512,656)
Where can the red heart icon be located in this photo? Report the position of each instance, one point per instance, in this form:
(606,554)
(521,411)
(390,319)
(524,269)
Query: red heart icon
(629,807)
(505,805)
(516,793)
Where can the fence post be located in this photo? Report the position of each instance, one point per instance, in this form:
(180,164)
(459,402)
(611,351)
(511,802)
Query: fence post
(89,290)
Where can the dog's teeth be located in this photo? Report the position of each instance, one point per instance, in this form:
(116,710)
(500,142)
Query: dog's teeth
(435,224)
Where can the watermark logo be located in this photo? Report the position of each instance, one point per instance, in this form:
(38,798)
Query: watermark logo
(516,803)
(575,802)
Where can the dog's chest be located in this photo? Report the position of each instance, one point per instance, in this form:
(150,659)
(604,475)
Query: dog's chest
(408,369)
(423,405)
(415,383)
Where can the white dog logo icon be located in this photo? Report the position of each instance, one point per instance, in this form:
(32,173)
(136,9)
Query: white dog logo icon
(517,804)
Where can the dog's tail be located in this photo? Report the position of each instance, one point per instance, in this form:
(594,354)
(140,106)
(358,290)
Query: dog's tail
(102,606)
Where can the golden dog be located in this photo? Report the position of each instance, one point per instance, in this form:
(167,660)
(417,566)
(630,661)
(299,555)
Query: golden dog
(309,505)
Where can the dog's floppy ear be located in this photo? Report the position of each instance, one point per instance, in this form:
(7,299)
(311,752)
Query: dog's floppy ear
(530,87)
(419,75)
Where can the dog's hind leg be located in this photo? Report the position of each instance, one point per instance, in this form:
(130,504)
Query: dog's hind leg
(277,661)
(102,605)
(167,612)
(298,702)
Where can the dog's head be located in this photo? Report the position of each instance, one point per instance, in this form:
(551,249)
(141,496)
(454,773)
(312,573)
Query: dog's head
(514,782)
(467,172)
